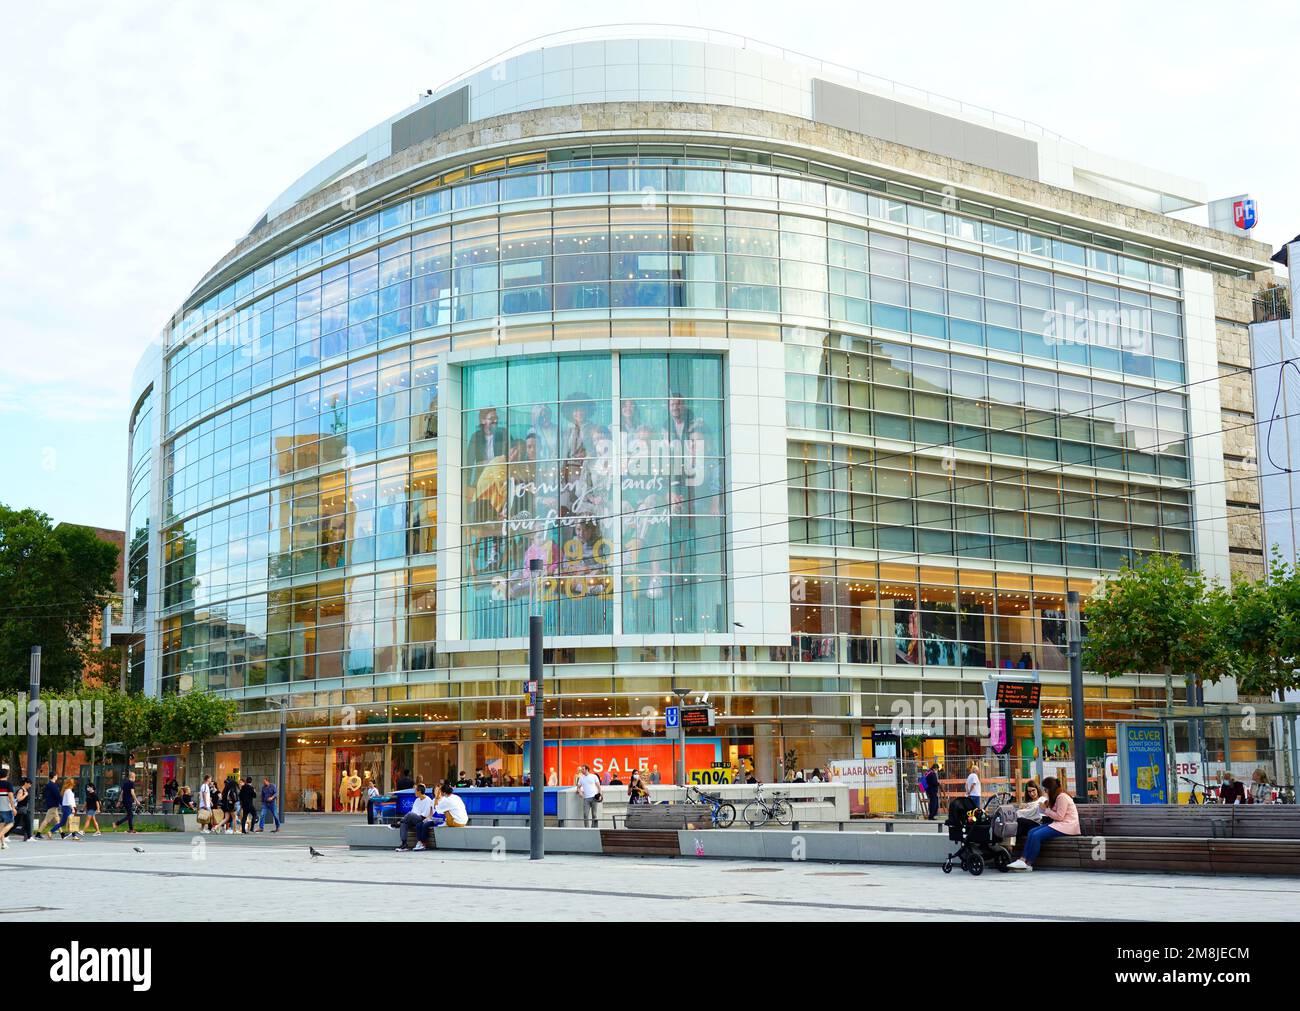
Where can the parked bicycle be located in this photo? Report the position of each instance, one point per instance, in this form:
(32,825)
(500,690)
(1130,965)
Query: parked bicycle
(759,811)
(722,813)
(1208,794)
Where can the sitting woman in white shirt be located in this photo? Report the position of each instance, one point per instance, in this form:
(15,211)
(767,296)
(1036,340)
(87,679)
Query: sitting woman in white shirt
(1030,816)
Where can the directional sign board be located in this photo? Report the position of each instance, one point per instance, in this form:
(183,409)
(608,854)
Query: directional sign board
(672,721)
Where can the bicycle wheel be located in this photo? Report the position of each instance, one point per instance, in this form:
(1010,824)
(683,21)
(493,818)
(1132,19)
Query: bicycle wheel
(783,813)
(725,815)
(755,814)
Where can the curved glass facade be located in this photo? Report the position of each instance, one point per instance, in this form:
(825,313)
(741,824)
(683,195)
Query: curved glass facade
(812,439)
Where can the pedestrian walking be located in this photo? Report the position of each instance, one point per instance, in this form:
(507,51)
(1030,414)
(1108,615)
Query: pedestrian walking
(268,806)
(974,788)
(637,792)
(92,808)
(247,812)
(128,804)
(229,800)
(68,811)
(206,811)
(588,787)
(23,808)
(932,790)
(8,807)
(52,796)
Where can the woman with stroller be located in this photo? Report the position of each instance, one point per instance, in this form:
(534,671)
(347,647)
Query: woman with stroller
(1060,816)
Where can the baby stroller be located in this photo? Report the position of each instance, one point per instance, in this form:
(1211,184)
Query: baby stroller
(986,836)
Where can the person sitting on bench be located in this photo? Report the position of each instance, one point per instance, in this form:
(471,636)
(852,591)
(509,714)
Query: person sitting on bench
(420,817)
(1060,817)
(448,809)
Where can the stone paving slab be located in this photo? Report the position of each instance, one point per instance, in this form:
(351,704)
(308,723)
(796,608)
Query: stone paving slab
(274,878)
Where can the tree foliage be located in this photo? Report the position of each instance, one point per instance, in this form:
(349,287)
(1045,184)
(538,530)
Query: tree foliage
(1157,617)
(1260,627)
(135,721)
(53,580)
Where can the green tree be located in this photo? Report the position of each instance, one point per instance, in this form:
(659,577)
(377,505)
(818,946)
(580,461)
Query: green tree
(195,716)
(1259,622)
(53,580)
(1158,618)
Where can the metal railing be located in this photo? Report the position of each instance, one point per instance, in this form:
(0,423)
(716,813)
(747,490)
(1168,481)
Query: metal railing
(1272,303)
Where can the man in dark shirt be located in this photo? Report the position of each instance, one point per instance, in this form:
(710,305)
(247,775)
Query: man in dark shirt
(932,790)
(1233,791)
(128,805)
(464,780)
(268,806)
(404,781)
(247,812)
(53,799)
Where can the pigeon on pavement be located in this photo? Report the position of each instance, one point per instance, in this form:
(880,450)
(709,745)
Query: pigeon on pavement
(137,849)
(314,852)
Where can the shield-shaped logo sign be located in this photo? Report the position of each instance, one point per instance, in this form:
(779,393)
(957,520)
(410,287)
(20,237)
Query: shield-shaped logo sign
(1243,214)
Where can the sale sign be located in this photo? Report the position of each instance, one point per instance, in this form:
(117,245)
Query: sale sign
(620,756)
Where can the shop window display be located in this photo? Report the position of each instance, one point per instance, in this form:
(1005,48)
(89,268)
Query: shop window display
(612,494)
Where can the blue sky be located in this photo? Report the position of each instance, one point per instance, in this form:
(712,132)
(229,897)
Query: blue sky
(139,141)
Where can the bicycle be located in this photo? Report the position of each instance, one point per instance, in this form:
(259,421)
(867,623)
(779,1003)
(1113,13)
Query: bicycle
(722,813)
(1206,791)
(759,811)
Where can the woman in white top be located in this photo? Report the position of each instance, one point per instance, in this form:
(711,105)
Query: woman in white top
(67,808)
(973,788)
(1030,816)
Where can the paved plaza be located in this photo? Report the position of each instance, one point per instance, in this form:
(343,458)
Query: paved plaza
(273,877)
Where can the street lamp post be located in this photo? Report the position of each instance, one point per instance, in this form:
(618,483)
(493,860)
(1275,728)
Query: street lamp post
(536,726)
(1074,635)
(679,774)
(281,786)
(33,725)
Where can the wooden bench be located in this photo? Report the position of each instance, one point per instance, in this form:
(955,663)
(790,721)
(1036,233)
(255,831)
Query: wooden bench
(1228,839)
(1230,857)
(1210,821)
(668,816)
(640,842)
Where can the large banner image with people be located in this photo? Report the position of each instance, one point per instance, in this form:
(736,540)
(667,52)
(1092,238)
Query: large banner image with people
(608,472)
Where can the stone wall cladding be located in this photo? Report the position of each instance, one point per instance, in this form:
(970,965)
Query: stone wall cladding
(1232,307)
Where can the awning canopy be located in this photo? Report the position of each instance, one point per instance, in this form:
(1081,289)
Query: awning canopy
(1229,710)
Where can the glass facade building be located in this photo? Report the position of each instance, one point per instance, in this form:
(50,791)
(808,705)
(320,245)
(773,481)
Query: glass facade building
(787,423)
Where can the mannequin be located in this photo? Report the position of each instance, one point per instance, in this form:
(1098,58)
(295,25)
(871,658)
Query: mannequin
(354,792)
